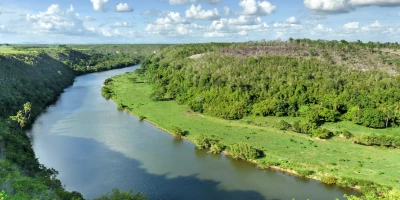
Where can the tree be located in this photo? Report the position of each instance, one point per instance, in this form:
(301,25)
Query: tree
(23,116)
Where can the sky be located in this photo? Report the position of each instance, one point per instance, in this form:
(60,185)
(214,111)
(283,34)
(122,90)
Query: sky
(195,21)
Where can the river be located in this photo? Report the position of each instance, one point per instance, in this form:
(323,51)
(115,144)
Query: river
(96,148)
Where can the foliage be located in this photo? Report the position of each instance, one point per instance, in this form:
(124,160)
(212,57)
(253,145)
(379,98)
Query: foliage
(178,132)
(284,125)
(244,151)
(216,148)
(282,148)
(225,85)
(347,134)
(117,194)
(202,142)
(380,140)
(330,180)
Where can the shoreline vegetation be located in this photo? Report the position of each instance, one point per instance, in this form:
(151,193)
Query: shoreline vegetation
(336,142)
(32,77)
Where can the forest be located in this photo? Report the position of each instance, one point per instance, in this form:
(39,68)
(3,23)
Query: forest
(296,86)
(32,77)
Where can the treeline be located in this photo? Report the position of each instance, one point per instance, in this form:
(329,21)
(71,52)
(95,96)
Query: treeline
(38,80)
(232,87)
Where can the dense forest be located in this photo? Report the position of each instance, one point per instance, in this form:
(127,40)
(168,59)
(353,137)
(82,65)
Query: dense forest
(232,86)
(32,77)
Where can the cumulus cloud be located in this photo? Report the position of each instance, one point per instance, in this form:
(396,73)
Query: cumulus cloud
(57,20)
(172,25)
(253,7)
(195,12)
(344,6)
(123,7)
(171,18)
(98,5)
(174,2)
(292,20)
(239,26)
(351,26)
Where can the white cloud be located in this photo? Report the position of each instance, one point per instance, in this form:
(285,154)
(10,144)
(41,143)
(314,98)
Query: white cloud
(88,18)
(245,20)
(252,7)
(174,2)
(376,26)
(98,5)
(195,12)
(239,26)
(123,7)
(57,20)
(351,26)
(171,18)
(172,25)
(292,20)
(228,11)
(344,6)
(123,24)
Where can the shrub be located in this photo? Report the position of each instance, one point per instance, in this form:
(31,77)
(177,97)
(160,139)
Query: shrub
(284,125)
(304,172)
(108,81)
(216,148)
(106,92)
(141,118)
(176,131)
(202,142)
(322,133)
(244,151)
(330,180)
(121,106)
(347,134)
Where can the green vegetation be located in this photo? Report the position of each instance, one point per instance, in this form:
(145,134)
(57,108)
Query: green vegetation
(31,77)
(116,194)
(278,110)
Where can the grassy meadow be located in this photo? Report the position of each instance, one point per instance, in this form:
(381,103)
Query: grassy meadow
(295,152)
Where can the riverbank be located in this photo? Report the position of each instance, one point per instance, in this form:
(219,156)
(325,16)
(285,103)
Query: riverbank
(284,150)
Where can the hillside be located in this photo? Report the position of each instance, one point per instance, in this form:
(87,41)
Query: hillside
(38,74)
(279,104)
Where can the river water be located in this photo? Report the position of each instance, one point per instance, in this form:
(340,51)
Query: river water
(96,148)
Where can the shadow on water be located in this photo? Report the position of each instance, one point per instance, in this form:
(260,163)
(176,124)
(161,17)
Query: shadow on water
(96,174)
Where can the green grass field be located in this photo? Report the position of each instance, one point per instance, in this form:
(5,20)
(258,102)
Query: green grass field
(10,50)
(338,157)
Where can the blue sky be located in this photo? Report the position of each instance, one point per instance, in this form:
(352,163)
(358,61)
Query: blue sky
(189,21)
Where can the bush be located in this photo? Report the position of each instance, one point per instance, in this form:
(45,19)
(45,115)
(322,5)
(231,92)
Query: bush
(121,106)
(330,180)
(216,148)
(202,142)
(244,151)
(108,81)
(322,133)
(106,92)
(305,172)
(176,131)
(284,125)
(141,118)
(347,134)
